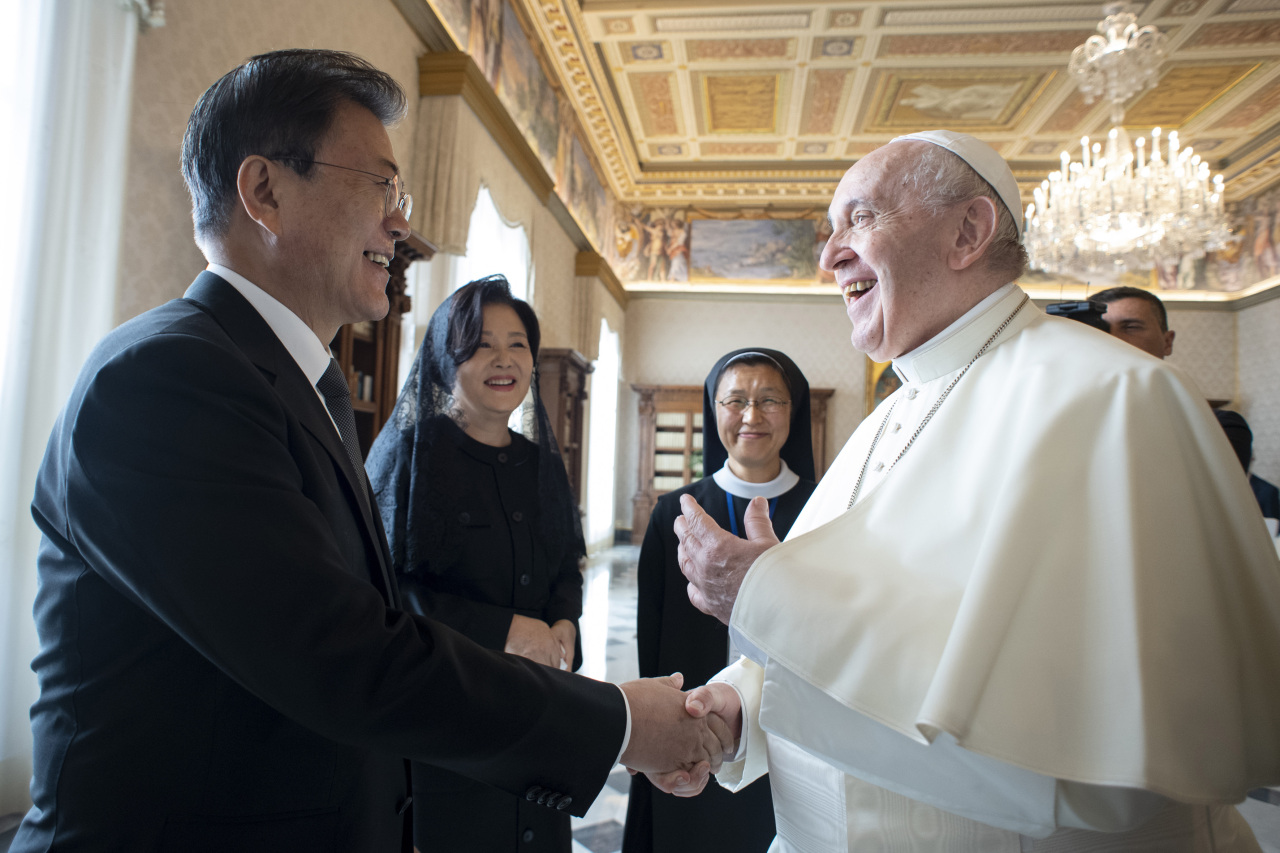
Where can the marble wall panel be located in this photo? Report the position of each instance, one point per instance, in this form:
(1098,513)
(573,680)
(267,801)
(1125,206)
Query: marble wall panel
(1259,394)
(199,43)
(1205,347)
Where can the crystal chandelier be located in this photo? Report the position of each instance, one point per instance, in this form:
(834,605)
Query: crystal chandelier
(1124,207)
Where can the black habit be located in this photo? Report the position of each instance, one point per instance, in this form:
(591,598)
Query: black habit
(674,636)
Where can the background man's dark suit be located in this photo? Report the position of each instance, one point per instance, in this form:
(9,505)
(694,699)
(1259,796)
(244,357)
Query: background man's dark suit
(219,667)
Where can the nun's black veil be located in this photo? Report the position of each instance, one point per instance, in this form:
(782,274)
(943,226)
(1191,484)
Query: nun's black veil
(797,452)
(411,466)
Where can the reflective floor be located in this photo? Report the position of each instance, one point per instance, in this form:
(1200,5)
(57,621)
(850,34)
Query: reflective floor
(609,652)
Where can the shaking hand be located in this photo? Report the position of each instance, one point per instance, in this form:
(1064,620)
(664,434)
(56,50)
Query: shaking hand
(716,700)
(669,741)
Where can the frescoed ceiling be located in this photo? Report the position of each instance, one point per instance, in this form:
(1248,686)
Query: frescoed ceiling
(735,102)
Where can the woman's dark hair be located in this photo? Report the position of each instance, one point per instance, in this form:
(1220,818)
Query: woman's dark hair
(466,316)
(754,359)
(277,105)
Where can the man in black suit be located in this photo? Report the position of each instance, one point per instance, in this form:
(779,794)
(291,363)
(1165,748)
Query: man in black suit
(223,665)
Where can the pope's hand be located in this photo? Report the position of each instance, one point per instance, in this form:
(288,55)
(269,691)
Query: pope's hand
(667,739)
(714,561)
(711,700)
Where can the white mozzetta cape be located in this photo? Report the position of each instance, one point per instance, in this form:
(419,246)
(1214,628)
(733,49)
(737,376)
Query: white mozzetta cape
(1066,573)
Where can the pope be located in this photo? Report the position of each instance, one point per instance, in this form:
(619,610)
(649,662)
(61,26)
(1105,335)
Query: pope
(1030,606)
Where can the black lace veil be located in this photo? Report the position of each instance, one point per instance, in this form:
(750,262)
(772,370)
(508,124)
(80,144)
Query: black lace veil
(413,484)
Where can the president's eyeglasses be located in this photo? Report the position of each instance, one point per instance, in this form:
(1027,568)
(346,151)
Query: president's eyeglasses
(396,198)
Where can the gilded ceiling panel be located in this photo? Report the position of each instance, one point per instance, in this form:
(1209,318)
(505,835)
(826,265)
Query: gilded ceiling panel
(1260,104)
(702,50)
(982,44)
(619,26)
(826,92)
(1184,92)
(838,47)
(739,149)
(645,51)
(856,150)
(844,18)
(960,99)
(739,101)
(1244,33)
(655,100)
(1068,115)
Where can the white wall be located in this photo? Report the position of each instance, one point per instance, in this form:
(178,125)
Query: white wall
(676,341)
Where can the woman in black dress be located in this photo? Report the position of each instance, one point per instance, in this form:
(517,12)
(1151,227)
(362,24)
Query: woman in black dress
(484,535)
(756,440)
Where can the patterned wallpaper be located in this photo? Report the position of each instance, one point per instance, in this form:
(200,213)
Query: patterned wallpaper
(676,342)
(199,42)
(1205,347)
(1259,396)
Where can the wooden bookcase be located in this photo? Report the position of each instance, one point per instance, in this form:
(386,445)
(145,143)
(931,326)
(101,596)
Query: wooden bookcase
(562,384)
(369,352)
(671,443)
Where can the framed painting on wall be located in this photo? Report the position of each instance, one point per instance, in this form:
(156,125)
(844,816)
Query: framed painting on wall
(881,382)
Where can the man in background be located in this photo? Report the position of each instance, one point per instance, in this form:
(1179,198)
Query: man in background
(1139,317)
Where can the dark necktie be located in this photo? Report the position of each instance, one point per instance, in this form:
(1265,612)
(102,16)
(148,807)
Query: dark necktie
(337,397)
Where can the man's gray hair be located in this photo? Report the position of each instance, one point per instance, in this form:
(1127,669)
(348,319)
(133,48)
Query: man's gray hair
(941,179)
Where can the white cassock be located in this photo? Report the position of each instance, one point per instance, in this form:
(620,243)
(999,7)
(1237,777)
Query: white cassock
(1058,613)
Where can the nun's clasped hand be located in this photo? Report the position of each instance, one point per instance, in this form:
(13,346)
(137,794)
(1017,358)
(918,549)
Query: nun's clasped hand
(714,560)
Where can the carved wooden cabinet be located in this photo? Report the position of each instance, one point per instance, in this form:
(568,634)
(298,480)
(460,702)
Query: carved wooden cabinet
(369,352)
(562,384)
(671,443)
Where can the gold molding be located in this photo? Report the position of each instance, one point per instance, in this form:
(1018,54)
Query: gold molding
(592,265)
(456,73)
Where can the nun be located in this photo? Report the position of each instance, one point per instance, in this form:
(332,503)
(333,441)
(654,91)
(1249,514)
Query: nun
(757,442)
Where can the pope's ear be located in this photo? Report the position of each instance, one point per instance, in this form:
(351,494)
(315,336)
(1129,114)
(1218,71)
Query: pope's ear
(257,188)
(976,228)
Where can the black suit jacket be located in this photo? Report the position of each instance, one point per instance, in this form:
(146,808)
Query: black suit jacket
(221,666)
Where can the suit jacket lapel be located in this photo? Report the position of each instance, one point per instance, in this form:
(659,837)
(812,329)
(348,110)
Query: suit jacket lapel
(254,337)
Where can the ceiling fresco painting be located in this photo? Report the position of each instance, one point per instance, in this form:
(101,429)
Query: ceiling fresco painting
(648,111)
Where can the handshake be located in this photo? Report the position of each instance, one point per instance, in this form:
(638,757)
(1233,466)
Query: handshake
(679,739)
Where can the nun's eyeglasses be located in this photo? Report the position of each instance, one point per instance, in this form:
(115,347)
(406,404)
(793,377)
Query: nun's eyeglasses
(769,405)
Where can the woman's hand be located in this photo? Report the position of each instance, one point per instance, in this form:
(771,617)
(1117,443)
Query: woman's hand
(533,639)
(565,633)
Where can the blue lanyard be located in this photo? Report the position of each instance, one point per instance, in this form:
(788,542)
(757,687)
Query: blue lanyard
(733,516)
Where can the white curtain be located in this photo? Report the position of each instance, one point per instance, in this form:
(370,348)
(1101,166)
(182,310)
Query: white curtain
(494,245)
(602,434)
(67,77)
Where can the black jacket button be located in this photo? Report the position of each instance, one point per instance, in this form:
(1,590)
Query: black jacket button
(551,800)
(532,793)
(464,518)
(525,579)
(544,796)
(527,835)
(564,803)
(517,516)
(502,457)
